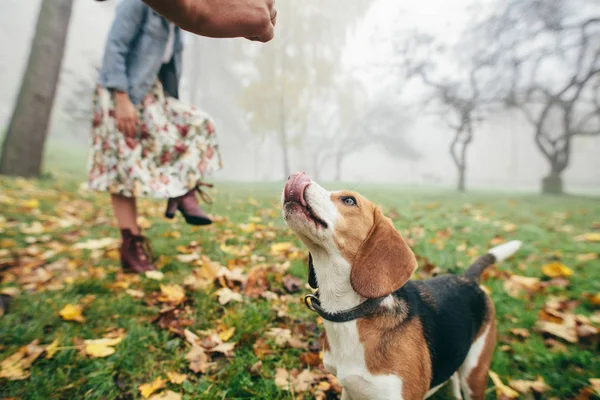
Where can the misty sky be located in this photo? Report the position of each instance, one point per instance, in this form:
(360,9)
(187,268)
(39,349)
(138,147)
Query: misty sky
(502,155)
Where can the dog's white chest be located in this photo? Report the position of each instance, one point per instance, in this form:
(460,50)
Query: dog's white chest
(346,360)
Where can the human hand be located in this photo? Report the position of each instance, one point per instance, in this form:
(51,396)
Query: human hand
(252,19)
(126,114)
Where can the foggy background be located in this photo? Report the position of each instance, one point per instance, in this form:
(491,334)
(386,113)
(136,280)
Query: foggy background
(339,85)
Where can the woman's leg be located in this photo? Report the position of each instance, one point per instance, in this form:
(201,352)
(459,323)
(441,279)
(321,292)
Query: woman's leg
(125,210)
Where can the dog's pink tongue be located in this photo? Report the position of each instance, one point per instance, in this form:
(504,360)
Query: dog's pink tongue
(295,186)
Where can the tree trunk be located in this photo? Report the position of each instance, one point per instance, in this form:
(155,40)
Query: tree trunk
(23,146)
(461,178)
(552,184)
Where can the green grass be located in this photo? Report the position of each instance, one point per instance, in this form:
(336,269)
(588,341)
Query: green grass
(547,225)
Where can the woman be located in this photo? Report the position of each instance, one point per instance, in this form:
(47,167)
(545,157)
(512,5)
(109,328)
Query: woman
(145,142)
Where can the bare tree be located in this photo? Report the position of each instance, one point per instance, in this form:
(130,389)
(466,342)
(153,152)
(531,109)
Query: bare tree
(23,146)
(550,54)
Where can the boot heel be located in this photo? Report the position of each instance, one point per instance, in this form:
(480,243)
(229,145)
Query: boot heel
(172,206)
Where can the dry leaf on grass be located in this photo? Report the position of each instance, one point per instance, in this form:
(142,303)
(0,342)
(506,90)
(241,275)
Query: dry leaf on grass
(172,294)
(154,275)
(51,349)
(166,395)
(595,382)
(227,295)
(520,332)
(525,387)
(588,237)
(501,388)
(176,378)
(147,389)
(95,244)
(100,348)
(226,334)
(565,330)
(516,285)
(72,312)
(556,270)
(198,359)
(15,367)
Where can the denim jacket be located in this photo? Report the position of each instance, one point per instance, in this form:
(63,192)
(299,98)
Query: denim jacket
(134,50)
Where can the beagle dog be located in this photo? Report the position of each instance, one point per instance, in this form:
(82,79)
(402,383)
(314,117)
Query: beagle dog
(388,337)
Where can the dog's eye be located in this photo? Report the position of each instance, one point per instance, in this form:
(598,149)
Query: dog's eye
(349,201)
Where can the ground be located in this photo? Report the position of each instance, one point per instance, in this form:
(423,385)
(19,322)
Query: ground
(228,304)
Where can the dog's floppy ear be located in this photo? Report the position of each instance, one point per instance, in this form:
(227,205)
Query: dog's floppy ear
(312,277)
(384,262)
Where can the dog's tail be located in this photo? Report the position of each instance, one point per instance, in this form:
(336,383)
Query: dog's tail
(495,254)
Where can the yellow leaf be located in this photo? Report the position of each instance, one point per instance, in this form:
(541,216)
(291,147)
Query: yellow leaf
(7,243)
(501,388)
(52,348)
(155,275)
(15,366)
(589,237)
(252,202)
(72,312)
(595,299)
(595,382)
(144,223)
(510,227)
(172,294)
(556,270)
(281,248)
(174,235)
(176,378)
(226,334)
(95,244)
(586,257)
(31,203)
(101,347)
(166,395)
(148,388)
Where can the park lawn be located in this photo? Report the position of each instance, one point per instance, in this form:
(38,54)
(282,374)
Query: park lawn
(45,221)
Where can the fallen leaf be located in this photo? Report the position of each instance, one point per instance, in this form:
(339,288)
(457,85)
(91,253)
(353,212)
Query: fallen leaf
(224,348)
(281,248)
(566,331)
(501,388)
(595,299)
(72,312)
(198,359)
(15,367)
(520,332)
(135,293)
(148,388)
(31,203)
(291,283)
(226,334)
(176,378)
(586,257)
(556,270)
(226,295)
(595,382)
(172,294)
(155,275)
(515,285)
(166,395)
(95,244)
(100,348)
(282,378)
(525,387)
(588,237)
(51,349)
(310,359)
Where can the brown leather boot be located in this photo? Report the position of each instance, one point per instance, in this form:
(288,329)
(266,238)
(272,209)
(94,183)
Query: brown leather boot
(189,207)
(136,254)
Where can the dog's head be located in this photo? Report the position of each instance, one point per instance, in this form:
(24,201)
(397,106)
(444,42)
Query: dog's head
(347,224)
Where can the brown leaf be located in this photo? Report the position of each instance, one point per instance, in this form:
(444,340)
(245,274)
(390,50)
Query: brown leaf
(525,387)
(566,331)
(257,282)
(310,359)
(291,283)
(515,285)
(198,359)
(262,348)
(520,332)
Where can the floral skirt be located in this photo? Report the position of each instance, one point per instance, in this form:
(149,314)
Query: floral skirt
(174,148)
